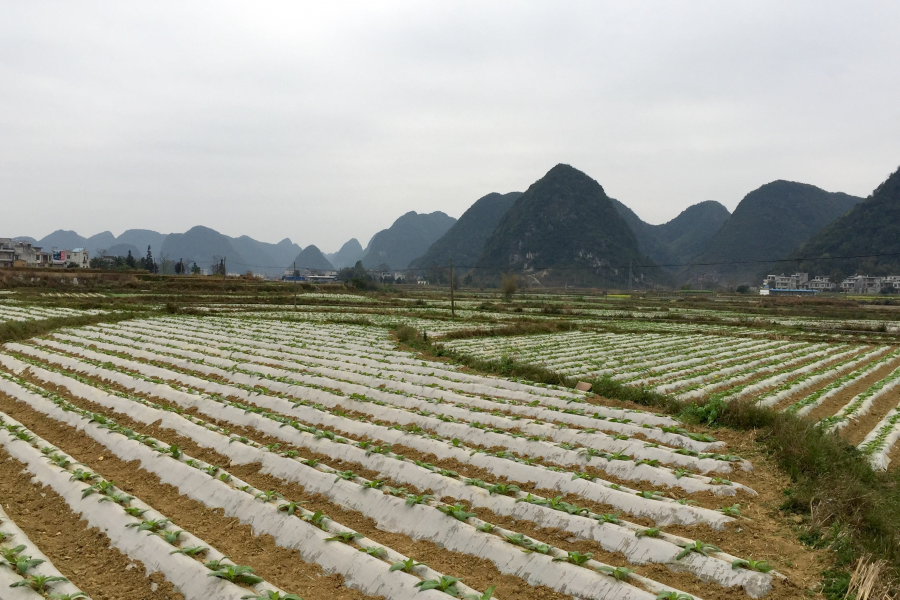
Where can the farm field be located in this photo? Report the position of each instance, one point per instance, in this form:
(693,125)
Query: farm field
(250,449)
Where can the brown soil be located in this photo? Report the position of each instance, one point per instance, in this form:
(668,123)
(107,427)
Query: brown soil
(83,554)
(280,566)
(859,428)
(836,402)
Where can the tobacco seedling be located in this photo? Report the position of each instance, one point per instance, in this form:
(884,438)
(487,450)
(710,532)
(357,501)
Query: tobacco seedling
(101,487)
(576,558)
(117,498)
(679,473)
(82,475)
(172,450)
(210,470)
(22,563)
(150,525)
(317,519)
(345,475)
(503,488)
(375,551)
(215,565)
(651,495)
(698,547)
(685,501)
(344,536)
(619,573)
(171,536)
(673,596)
(59,460)
(651,532)
(412,499)
(272,595)
(732,511)
(375,484)
(269,496)
(135,511)
(38,583)
(290,507)
(476,483)
(720,481)
(446,584)
(236,574)
(405,565)
(190,550)
(224,477)
(754,565)
(458,512)
(488,593)
(485,527)
(311,462)
(608,517)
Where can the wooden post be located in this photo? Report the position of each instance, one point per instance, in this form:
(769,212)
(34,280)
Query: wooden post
(452,302)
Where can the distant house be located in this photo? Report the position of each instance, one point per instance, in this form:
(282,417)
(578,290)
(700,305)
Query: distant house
(15,253)
(862,284)
(63,258)
(797,281)
(822,284)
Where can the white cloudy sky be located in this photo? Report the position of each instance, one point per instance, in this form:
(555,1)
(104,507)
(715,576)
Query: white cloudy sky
(324,121)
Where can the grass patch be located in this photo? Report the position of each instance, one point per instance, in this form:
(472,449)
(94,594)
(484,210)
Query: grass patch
(12,331)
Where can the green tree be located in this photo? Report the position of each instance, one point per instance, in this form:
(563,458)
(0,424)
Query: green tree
(195,270)
(508,285)
(149,265)
(129,261)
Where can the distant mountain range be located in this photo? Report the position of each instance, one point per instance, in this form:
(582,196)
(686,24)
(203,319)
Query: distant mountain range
(846,244)
(676,242)
(768,224)
(564,229)
(464,242)
(408,238)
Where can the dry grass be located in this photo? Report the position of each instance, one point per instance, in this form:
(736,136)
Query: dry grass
(871,581)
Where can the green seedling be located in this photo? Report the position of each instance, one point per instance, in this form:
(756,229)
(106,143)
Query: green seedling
(651,532)
(673,596)
(210,470)
(59,460)
(291,507)
(698,547)
(412,499)
(576,558)
(173,450)
(375,484)
(720,481)
(237,574)
(101,487)
(11,555)
(614,486)
(518,539)
(345,475)
(586,476)
(754,565)
(485,527)
(685,501)
(539,548)
(732,511)
(445,584)
(405,565)
(401,491)
(375,551)
(311,462)
(317,519)
(290,454)
(121,499)
(23,563)
(171,536)
(503,488)
(487,595)
(150,525)
(651,495)
(619,573)
(679,473)
(73,596)
(448,473)
(270,595)
(135,511)
(224,477)
(215,565)
(608,517)
(457,511)
(38,583)
(476,483)
(269,496)
(344,536)
(190,550)
(82,475)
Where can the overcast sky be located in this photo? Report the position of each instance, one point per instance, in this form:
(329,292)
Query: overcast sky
(326,121)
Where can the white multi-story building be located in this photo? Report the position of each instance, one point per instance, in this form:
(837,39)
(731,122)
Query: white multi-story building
(797,281)
(822,284)
(862,284)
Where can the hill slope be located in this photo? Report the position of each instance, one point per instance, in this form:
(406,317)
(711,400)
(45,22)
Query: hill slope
(682,238)
(200,245)
(871,227)
(564,228)
(464,241)
(407,239)
(767,225)
(312,258)
(347,256)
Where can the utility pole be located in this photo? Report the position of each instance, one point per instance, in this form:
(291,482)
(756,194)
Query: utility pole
(452,303)
(294,276)
(629,275)
(224,270)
